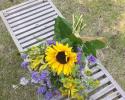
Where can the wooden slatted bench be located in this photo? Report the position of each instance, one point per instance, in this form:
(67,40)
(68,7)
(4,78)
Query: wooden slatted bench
(34,20)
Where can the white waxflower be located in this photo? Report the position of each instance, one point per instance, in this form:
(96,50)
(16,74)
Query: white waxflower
(24,81)
(15,86)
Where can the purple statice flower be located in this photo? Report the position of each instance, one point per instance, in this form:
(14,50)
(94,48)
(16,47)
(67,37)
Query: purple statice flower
(35,76)
(43,75)
(91,59)
(79,57)
(48,95)
(81,67)
(50,42)
(24,64)
(79,49)
(41,90)
(48,83)
(56,92)
(23,56)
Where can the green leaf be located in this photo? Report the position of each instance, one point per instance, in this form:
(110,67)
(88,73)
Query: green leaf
(42,67)
(90,47)
(83,57)
(98,44)
(63,29)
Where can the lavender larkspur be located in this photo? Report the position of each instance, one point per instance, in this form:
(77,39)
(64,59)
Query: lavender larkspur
(23,56)
(91,59)
(50,42)
(24,64)
(41,90)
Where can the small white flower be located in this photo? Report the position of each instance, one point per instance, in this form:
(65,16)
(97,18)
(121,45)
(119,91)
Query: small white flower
(15,86)
(24,81)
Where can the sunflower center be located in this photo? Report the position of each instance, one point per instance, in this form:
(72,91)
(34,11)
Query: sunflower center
(61,57)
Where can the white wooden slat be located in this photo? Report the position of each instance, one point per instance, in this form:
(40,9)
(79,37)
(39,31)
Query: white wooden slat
(35,30)
(59,13)
(98,75)
(19,14)
(21,6)
(34,21)
(49,38)
(102,92)
(122,98)
(112,80)
(37,6)
(111,96)
(31,18)
(95,69)
(47,30)
(40,23)
(35,40)
(30,14)
(11,32)
(102,83)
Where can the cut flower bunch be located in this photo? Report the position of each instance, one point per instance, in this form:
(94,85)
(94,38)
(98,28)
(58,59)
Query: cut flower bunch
(61,68)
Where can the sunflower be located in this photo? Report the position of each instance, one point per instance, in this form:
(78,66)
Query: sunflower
(60,58)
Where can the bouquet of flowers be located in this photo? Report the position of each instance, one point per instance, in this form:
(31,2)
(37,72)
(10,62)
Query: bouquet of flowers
(62,67)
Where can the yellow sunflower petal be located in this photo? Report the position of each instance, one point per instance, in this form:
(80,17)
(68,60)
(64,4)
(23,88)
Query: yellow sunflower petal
(60,68)
(56,63)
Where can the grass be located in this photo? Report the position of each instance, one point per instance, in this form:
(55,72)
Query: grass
(101,17)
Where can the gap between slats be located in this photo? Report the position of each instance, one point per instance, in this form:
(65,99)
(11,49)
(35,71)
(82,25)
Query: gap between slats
(44,8)
(102,92)
(43,17)
(36,40)
(35,25)
(21,7)
(31,18)
(36,35)
(40,28)
(111,96)
(44,40)
(34,7)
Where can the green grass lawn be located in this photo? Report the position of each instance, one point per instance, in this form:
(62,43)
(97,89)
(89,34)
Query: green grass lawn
(102,17)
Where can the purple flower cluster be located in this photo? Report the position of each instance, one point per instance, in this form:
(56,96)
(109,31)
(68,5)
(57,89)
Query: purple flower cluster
(56,92)
(79,49)
(24,64)
(48,95)
(50,42)
(48,83)
(38,77)
(91,59)
(79,57)
(23,56)
(41,90)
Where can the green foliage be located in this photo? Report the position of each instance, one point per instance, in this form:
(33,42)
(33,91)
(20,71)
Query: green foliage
(98,44)
(78,24)
(63,33)
(63,29)
(88,72)
(90,47)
